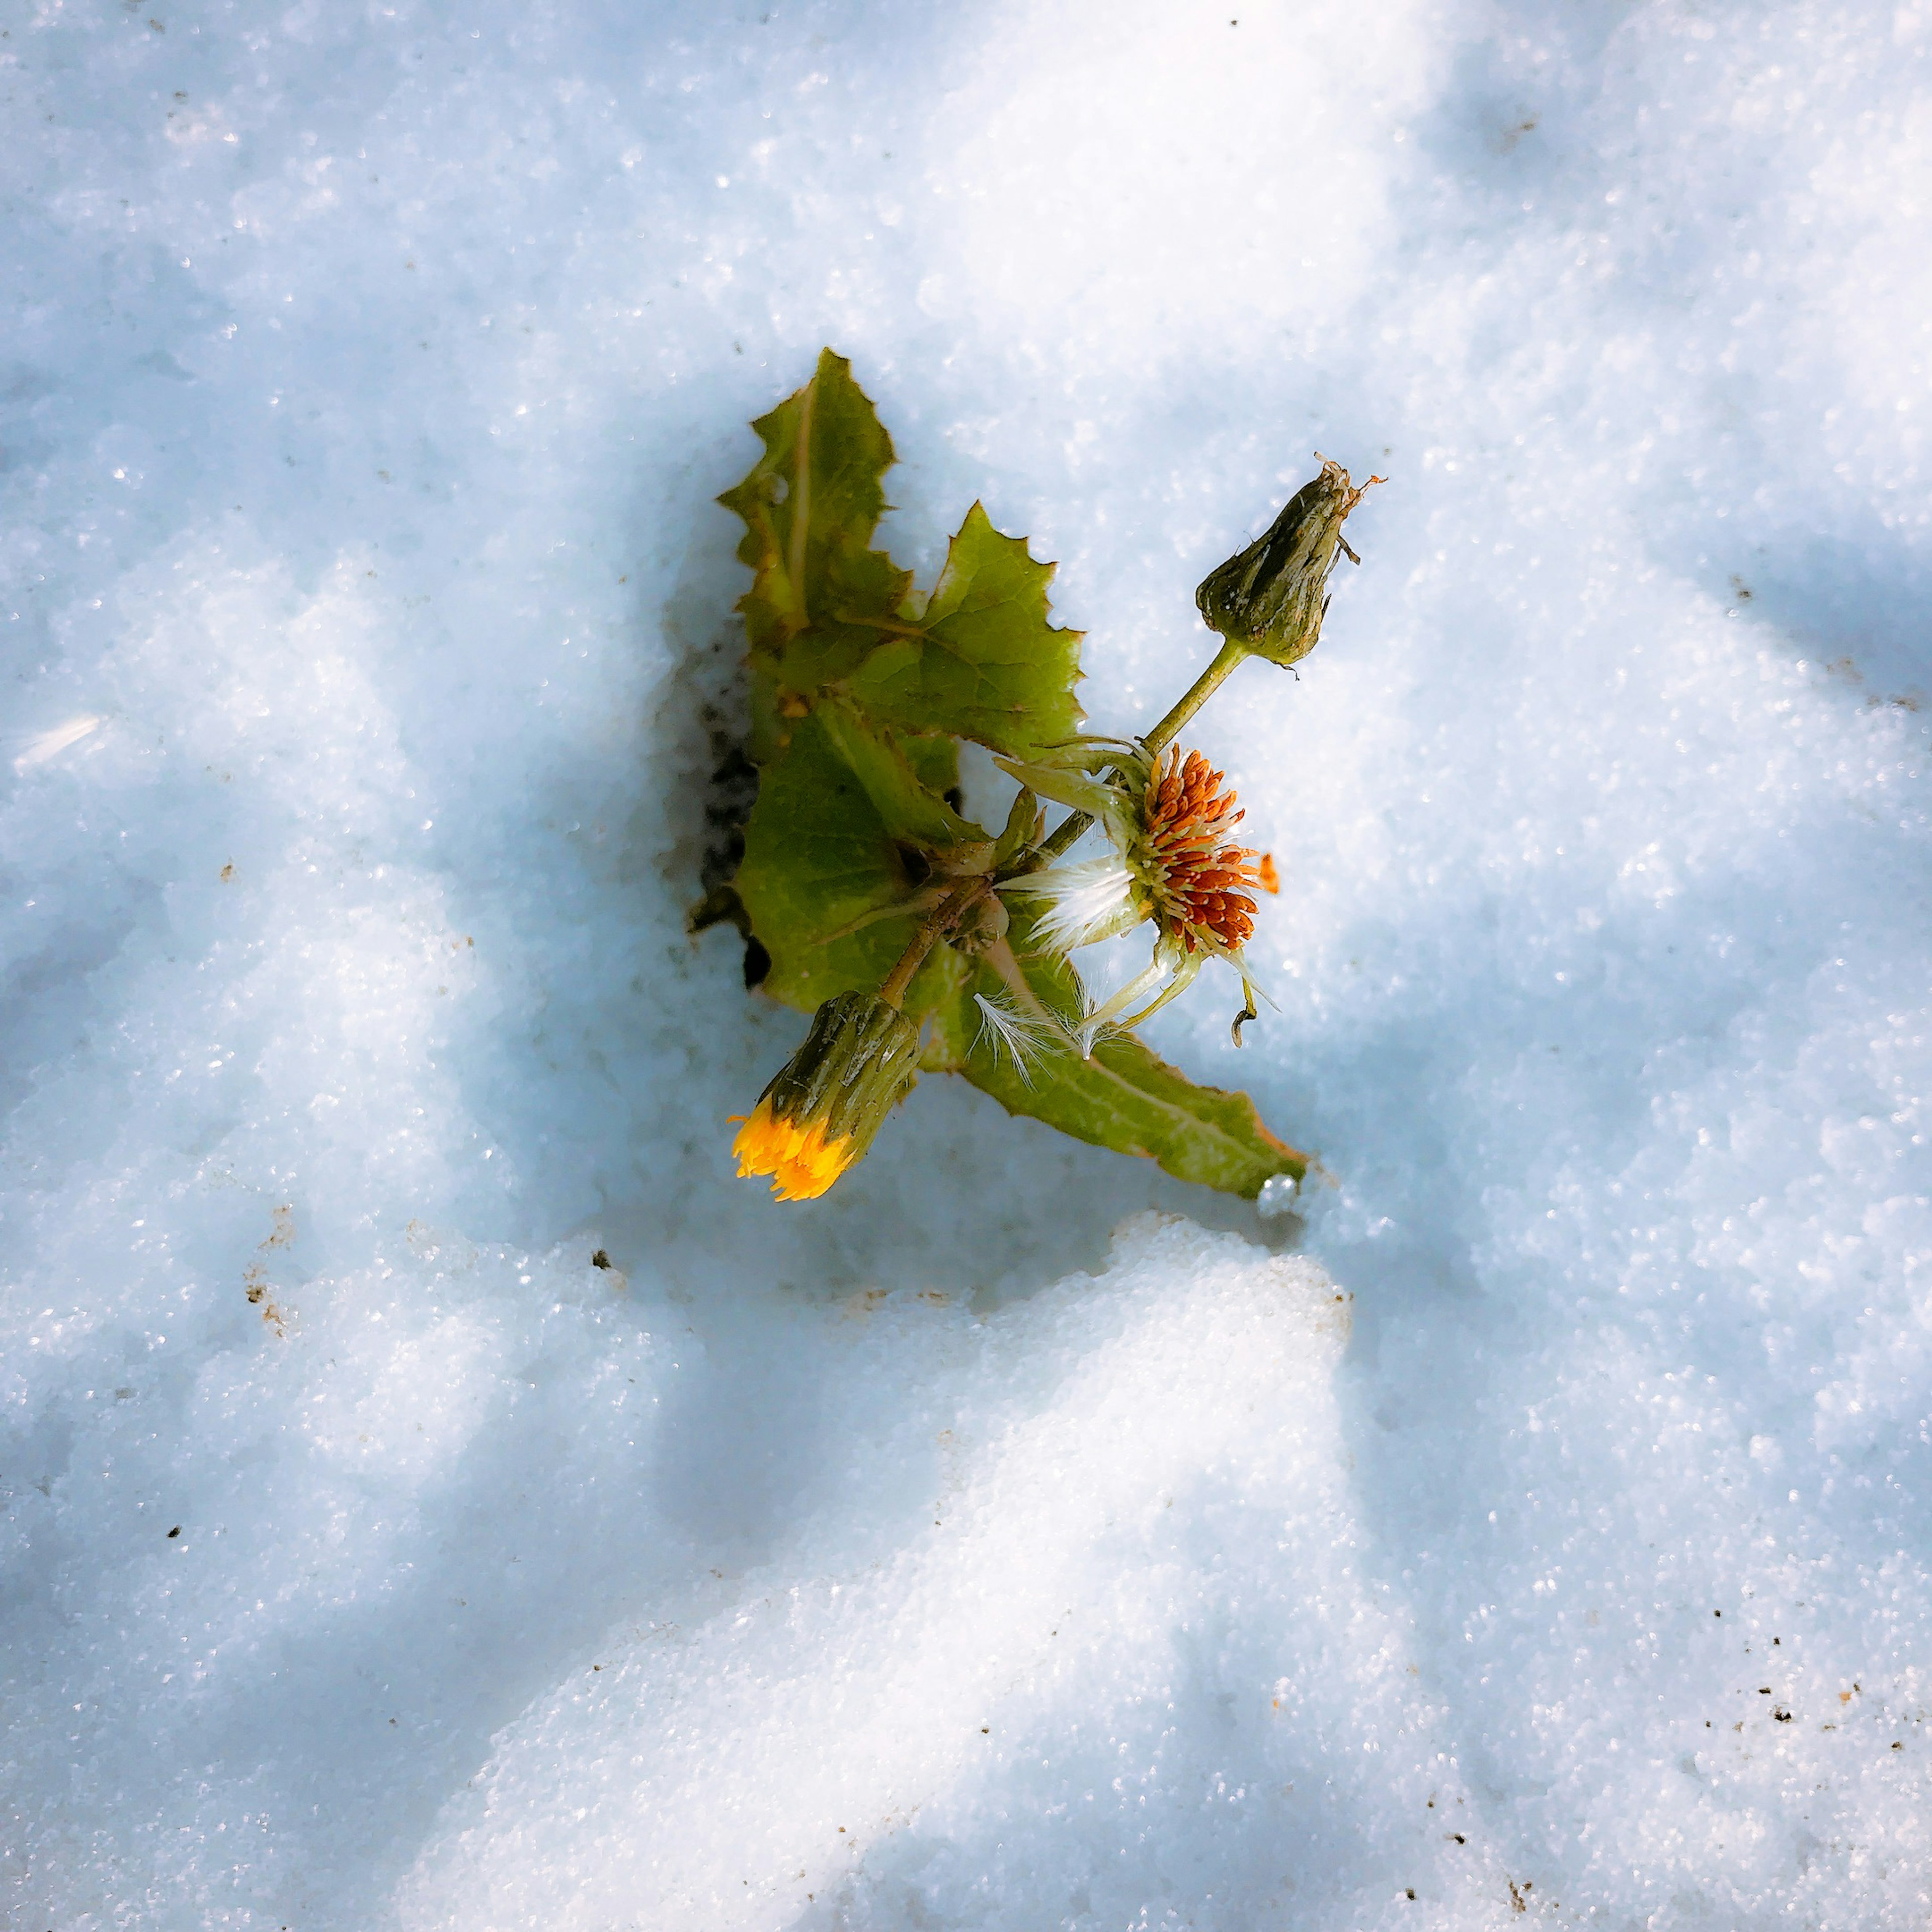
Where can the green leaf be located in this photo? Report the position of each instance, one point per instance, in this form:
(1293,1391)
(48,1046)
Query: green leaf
(909,809)
(831,879)
(810,505)
(934,759)
(982,661)
(1126,1097)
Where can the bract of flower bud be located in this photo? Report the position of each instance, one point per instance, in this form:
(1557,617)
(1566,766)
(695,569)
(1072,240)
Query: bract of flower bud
(1273,596)
(823,1110)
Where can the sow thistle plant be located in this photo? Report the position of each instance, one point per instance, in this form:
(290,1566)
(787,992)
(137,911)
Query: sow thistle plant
(918,941)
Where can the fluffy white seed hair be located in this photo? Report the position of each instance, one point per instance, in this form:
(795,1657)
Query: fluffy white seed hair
(1087,900)
(1026,1038)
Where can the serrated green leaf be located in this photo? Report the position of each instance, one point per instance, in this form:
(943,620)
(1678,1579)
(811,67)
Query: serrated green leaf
(825,878)
(810,505)
(1126,1097)
(982,661)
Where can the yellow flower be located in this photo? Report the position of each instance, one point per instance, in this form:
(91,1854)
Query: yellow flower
(825,1107)
(802,1162)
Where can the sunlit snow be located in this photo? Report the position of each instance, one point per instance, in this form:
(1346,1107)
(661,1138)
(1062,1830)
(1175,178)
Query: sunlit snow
(1534,1527)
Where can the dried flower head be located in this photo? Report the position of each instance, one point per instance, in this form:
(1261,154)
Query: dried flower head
(1170,858)
(1200,880)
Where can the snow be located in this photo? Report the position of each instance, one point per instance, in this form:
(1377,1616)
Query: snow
(1015,1538)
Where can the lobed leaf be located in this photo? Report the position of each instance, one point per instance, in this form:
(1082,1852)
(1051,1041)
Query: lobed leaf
(982,661)
(810,505)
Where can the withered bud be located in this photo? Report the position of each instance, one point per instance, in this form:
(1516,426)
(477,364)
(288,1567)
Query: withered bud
(1273,596)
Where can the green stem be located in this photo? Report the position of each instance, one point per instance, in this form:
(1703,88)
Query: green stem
(1197,694)
(944,918)
(1162,735)
(1068,829)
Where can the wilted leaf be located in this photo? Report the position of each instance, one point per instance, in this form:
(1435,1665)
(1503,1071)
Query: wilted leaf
(1126,1097)
(981,661)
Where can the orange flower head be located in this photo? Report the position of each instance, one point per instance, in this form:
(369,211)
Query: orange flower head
(1171,857)
(1202,881)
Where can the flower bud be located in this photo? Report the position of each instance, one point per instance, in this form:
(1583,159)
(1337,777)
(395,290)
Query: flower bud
(1272,597)
(821,1112)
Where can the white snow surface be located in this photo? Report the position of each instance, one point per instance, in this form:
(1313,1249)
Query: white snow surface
(1534,1528)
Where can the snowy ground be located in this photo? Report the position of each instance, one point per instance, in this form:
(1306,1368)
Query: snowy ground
(941,1556)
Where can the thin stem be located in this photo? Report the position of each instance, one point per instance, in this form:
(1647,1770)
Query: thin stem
(1068,829)
(943,919)
(1196,695)
(1157,740)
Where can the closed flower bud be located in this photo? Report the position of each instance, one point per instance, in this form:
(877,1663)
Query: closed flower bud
(821,1112)
(1272,597)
